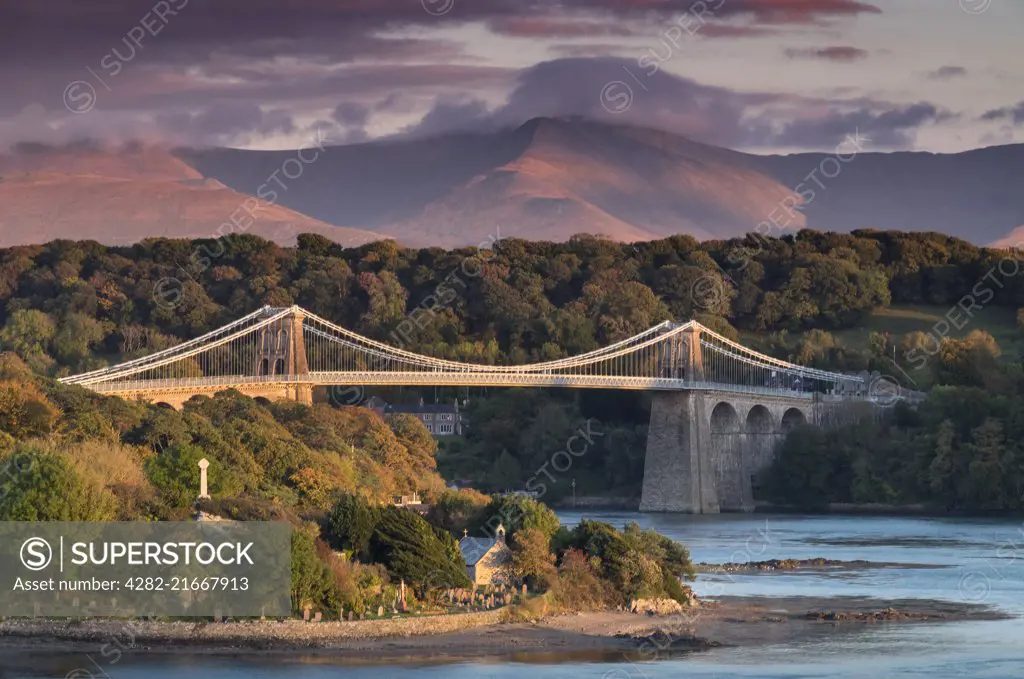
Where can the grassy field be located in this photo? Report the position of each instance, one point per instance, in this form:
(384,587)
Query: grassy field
(900,320)
(999,322)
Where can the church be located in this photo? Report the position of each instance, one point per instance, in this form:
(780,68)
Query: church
(486,558)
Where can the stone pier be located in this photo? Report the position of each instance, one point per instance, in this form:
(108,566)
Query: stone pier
(706,449)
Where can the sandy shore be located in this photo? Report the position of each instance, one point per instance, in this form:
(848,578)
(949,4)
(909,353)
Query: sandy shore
(732,621)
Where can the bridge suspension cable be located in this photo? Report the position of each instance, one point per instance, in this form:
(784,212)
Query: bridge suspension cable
(294,346)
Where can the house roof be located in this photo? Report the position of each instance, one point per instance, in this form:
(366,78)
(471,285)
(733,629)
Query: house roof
(474,549)
(433,408)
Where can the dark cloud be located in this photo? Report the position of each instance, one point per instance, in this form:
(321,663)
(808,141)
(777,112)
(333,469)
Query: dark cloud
(228,121)
(886,128)
(617,90)
(180,29)
(455,116)
(841,53)
(587,50)
(947,72)
(558,27)
(351,113)
(724,30)
(793,11)
(226,71)
(1013,114)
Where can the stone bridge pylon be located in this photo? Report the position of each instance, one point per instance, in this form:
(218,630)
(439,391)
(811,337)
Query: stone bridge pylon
(706,450)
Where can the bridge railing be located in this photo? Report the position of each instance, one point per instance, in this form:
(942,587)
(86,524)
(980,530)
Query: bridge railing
(292,346)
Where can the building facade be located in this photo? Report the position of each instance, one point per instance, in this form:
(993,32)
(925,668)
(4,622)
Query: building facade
(487,559)
(440,419)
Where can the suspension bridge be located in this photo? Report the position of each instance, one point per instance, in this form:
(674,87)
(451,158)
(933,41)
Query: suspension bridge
(718,410)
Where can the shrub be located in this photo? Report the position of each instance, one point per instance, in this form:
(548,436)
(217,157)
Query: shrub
(42,486)
(24,411)
(532,558)
(453,510)
(578,587)
(312,580)
(175,474)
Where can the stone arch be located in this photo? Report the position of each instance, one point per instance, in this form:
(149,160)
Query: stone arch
(279,367)
(726,456)
(264,367)
(164,404)
(759,449)
(263,401)
(793,417)
(759,421)
(725,419)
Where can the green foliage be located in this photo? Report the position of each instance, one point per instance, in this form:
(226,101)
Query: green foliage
(351,523)
(41,486)
(531,301)
(411,550)
(532,559)
(312,581)
(960,451)
(802,470)
(453,510)
(175,474)
(515,513)
(24,411)
(75,340)
(634,563)
(27,333)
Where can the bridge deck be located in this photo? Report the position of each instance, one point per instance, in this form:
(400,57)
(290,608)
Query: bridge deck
(213,384)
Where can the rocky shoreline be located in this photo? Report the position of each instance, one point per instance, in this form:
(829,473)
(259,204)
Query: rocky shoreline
(799,564)
(731,621)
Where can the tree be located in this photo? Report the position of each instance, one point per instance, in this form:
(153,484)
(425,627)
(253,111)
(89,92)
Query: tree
(414,435)
(532,559)
(75,339)
(42,486)
(578,586)
(28,333)
(351,523)
(175,474)
(453,510)
(506,472)
(410,549)
(24,411)
(516,512)
(800,474)
(312,581)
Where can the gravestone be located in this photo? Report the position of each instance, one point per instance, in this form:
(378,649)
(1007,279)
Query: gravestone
(318,616)
(351,616)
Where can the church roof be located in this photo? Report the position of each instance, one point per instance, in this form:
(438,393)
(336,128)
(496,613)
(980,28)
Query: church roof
(474,549)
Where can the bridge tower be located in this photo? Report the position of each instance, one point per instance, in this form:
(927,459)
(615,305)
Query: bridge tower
(694,360)
(677,477)
(281,356)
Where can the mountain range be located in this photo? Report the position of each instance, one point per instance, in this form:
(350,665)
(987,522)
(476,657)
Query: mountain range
(545,180)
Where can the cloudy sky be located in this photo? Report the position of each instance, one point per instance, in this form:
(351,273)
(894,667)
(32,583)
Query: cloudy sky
(757,75)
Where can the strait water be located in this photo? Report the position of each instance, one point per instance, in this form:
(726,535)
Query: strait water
(956,560)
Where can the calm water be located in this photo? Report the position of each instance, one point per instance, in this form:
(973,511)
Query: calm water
(958,560)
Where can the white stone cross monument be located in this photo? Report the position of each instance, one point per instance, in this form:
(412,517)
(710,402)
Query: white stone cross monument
(203,493)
